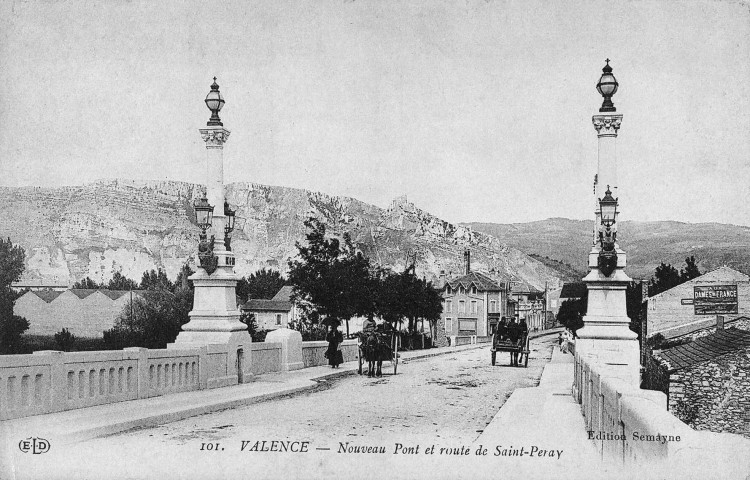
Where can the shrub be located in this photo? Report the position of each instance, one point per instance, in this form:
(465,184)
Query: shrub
(65,340)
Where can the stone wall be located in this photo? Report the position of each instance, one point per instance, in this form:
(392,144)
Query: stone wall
(714,395)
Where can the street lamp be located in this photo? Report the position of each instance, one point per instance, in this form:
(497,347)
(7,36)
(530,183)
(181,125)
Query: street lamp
(204,213)
(608,208)
(229,225)
(607,87)
(607,260)
(214,102)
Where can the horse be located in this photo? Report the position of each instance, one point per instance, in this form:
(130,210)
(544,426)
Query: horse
(374,350)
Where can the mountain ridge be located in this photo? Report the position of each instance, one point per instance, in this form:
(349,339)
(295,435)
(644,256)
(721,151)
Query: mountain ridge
(647,243)
(131,226)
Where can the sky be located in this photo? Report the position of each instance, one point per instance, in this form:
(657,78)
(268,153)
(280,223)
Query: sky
(476,110)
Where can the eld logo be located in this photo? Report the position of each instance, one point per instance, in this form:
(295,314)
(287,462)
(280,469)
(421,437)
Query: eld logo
(34,445)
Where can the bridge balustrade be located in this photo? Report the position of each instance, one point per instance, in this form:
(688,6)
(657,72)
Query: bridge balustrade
(634,418)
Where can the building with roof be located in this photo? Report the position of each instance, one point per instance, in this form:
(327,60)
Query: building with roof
(278,312)
(473,304)
(84,312)
(707,381)
(527,304)
(553,300)
(694,308)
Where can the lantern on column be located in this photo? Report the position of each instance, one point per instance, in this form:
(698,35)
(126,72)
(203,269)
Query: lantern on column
(607,87)
(229,214)
(204,213)
(214,102)
(607,261)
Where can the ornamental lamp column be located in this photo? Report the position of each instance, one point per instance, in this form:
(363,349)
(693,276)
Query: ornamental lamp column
(606,334)
(215,318)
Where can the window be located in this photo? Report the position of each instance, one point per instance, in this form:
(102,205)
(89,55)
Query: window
(493,306)
(448,306)
(449,290)
(467,326)
(473,306)
(461,290)
(448,325)
(461,306)
(278,319)
(473,290)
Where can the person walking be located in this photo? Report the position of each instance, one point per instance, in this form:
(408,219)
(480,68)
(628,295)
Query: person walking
(334,337)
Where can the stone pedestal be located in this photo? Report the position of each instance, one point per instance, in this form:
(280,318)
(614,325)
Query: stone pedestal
(606,336)
(291,347)
(215,322)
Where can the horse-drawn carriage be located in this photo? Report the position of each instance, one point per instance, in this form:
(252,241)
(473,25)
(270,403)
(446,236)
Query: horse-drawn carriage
(519,349)
(376,346)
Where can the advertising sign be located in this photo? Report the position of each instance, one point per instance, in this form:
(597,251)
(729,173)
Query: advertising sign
(714,299)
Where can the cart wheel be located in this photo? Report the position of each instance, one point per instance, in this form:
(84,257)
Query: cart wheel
(494,354)
(526,360)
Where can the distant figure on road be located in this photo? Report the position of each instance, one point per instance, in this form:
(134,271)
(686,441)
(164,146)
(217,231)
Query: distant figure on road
(334,339)
(523,328)
(502,329)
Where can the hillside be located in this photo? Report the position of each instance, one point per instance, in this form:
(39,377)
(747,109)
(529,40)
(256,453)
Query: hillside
(127,226)
(646,243)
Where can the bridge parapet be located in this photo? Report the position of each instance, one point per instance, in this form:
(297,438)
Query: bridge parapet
(632,426)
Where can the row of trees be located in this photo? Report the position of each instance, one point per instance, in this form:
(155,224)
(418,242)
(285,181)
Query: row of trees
(150,280)
(333,282)
(665,277)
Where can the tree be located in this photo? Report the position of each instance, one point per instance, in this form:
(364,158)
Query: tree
(151,320)
(121,282)
(633,304)
(265,283)
(182,277)
(572,311)
(330,279)
(405,296)
(156,280)
(12,260)
(87,283)
(65,340)
(665,277)
(690,271)
(12,326)
(11,329)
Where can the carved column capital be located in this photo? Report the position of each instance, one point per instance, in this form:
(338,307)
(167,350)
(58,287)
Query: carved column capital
(607,125)
(214,137)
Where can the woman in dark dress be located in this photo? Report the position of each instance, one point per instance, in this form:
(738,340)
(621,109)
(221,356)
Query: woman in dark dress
(334,338)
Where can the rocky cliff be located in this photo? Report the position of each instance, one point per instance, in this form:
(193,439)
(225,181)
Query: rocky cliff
(128,226)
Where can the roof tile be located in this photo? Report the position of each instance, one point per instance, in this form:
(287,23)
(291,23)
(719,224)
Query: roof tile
(705,348)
